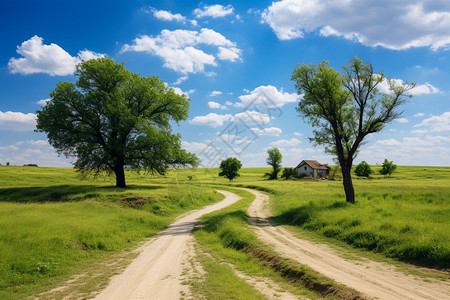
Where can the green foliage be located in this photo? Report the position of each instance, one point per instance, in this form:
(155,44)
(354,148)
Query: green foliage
(230,168)
(7,163)
(363,169)
(387,168)
(274,160)
(346,107)
(287,173)
(113,118)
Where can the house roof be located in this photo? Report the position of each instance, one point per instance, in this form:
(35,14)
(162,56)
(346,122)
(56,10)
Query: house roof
(313,164)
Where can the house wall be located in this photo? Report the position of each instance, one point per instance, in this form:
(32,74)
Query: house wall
(304,169)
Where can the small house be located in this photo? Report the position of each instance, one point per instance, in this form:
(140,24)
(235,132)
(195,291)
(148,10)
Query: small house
(311,168)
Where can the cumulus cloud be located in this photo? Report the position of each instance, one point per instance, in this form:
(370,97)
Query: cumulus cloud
(180,92)
(17,121)
(419,115)
(271,131)
(167,15)
(43,101)
(193,146)
(409,24)
(49,59)
(268,97)
(33,151)
(252,118)
(286,143)
(211,119)
(39,142)
(422,89)
(230,54)
(402,120)
(215,93)
(215,105)
(297,133)
(10,147)
(439,123)
(178,48)
(180,80)
(214,11)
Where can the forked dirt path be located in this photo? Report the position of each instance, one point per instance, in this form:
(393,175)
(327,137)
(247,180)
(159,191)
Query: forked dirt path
(373,279)
(157,272)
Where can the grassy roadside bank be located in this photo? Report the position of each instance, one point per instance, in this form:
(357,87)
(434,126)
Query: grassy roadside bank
(55,225)
(226,236)
(405,217)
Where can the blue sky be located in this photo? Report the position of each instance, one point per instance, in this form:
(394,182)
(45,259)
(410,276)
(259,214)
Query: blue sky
(234,59)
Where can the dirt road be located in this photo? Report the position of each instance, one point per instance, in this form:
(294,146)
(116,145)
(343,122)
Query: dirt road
(157,272)
(373,279)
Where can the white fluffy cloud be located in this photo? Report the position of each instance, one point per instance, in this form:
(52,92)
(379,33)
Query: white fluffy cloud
(214,11)
(33,151)
(180,80)
(286,143)
(230,54)
(252,117)
(424,150)
(211,119)
(272,131)
(267,96)
(409,23)
(49,59)
(215,93)
(178,48)
(402,120)
(215,105)
(167,15)
(17,121)
(422,89)
(43,101)
(180,92)
(439,123)
(193,146)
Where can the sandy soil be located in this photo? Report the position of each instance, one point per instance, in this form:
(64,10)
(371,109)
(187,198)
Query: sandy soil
(373,279)
(157,273)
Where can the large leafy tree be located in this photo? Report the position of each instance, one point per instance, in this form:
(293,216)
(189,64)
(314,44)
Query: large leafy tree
(274,160)
(346,107)
(230,168)
(113,118)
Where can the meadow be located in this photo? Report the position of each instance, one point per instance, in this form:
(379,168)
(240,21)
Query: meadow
(405,216)
(54,224)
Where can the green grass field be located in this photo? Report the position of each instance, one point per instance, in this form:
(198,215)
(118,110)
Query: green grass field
(54,224)
(406,216)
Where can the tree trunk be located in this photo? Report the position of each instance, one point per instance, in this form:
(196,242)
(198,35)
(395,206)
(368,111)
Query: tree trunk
(120,176)
(348,184)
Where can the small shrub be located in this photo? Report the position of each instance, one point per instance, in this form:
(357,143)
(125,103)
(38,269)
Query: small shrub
(287,173)
(363,169)
(387,168)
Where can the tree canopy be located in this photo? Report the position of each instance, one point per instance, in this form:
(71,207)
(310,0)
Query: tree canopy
(346,107)
(113,118)
(230,168)
(387,168)
(274,160)
(363,169)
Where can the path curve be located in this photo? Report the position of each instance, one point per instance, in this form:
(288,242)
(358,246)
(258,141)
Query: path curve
(157,272)
(373,279)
